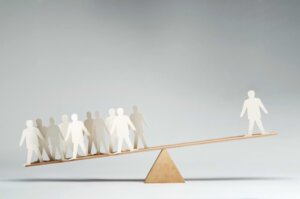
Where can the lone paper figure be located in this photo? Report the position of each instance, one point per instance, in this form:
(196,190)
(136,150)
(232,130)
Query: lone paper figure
(56,139)
(108,123)
(253,105)
(76,128)
(32,135)
(67,145)
(139,123)
(43,145)
(99,132)
(121,125)
(89,124)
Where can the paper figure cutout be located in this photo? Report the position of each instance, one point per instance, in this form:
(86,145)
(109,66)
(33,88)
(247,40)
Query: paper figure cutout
(89,124)
(139,122)
(253,105)
(99,132)
(32,136)
(121,125)
(109,123)
(44,145)
(56,139)
(63,126)
(76,129)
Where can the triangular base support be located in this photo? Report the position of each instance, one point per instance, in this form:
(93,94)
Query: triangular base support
(164,170)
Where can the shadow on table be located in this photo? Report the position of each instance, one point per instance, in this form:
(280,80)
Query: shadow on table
(141,180)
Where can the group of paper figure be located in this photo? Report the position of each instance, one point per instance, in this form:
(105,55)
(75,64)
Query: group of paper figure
(70,135)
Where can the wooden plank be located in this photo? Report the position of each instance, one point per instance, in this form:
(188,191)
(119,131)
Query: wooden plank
(168,146)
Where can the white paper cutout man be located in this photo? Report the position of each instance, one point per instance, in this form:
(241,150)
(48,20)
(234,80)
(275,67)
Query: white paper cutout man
(32,135)
(89,124)
(99,132)
(56,139)
(44,145)
(109,123)
(253,105)
(63,126)
(76,129)
(139,122)
(121,125)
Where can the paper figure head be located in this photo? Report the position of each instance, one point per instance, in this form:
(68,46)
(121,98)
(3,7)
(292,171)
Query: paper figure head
(112,112)
(51,121)
(97,114)
(74,117)
(29,123)
(251,94)
(39,122)
(65,118)
(89,115)
(120,111)
(135,109)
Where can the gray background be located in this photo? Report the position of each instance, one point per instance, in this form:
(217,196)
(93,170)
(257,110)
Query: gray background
(187,64)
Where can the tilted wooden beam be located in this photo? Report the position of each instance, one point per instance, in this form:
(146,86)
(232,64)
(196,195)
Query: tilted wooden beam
(154,148)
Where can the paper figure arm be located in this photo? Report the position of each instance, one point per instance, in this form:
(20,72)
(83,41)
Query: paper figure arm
(243,110)
(68,133)
(40,135)
(60,130)
(261,105)
(144,121)
(131,125)
(106,129)
(85,130)
(49,136)
(60,134)
(22,138)
(113,126)
(94,127)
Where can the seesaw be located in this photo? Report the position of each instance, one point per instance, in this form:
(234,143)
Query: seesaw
(164,169)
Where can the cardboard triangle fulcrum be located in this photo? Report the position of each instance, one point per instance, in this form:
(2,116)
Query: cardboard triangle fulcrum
(164,170)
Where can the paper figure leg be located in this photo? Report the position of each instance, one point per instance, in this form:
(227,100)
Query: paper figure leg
(90,145)
(97,145)
(29,156)
(115,142)
(120,143)
(69,147)
(111,144)
(143,140)
(103,143)
(260,126)
(41,148)
(38,154)
(251,126)
(65,149)
(128,143)
(61,151)
(136,140)
(53,151)
(57,150)
(48,151)
(81,144)
(75,150)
